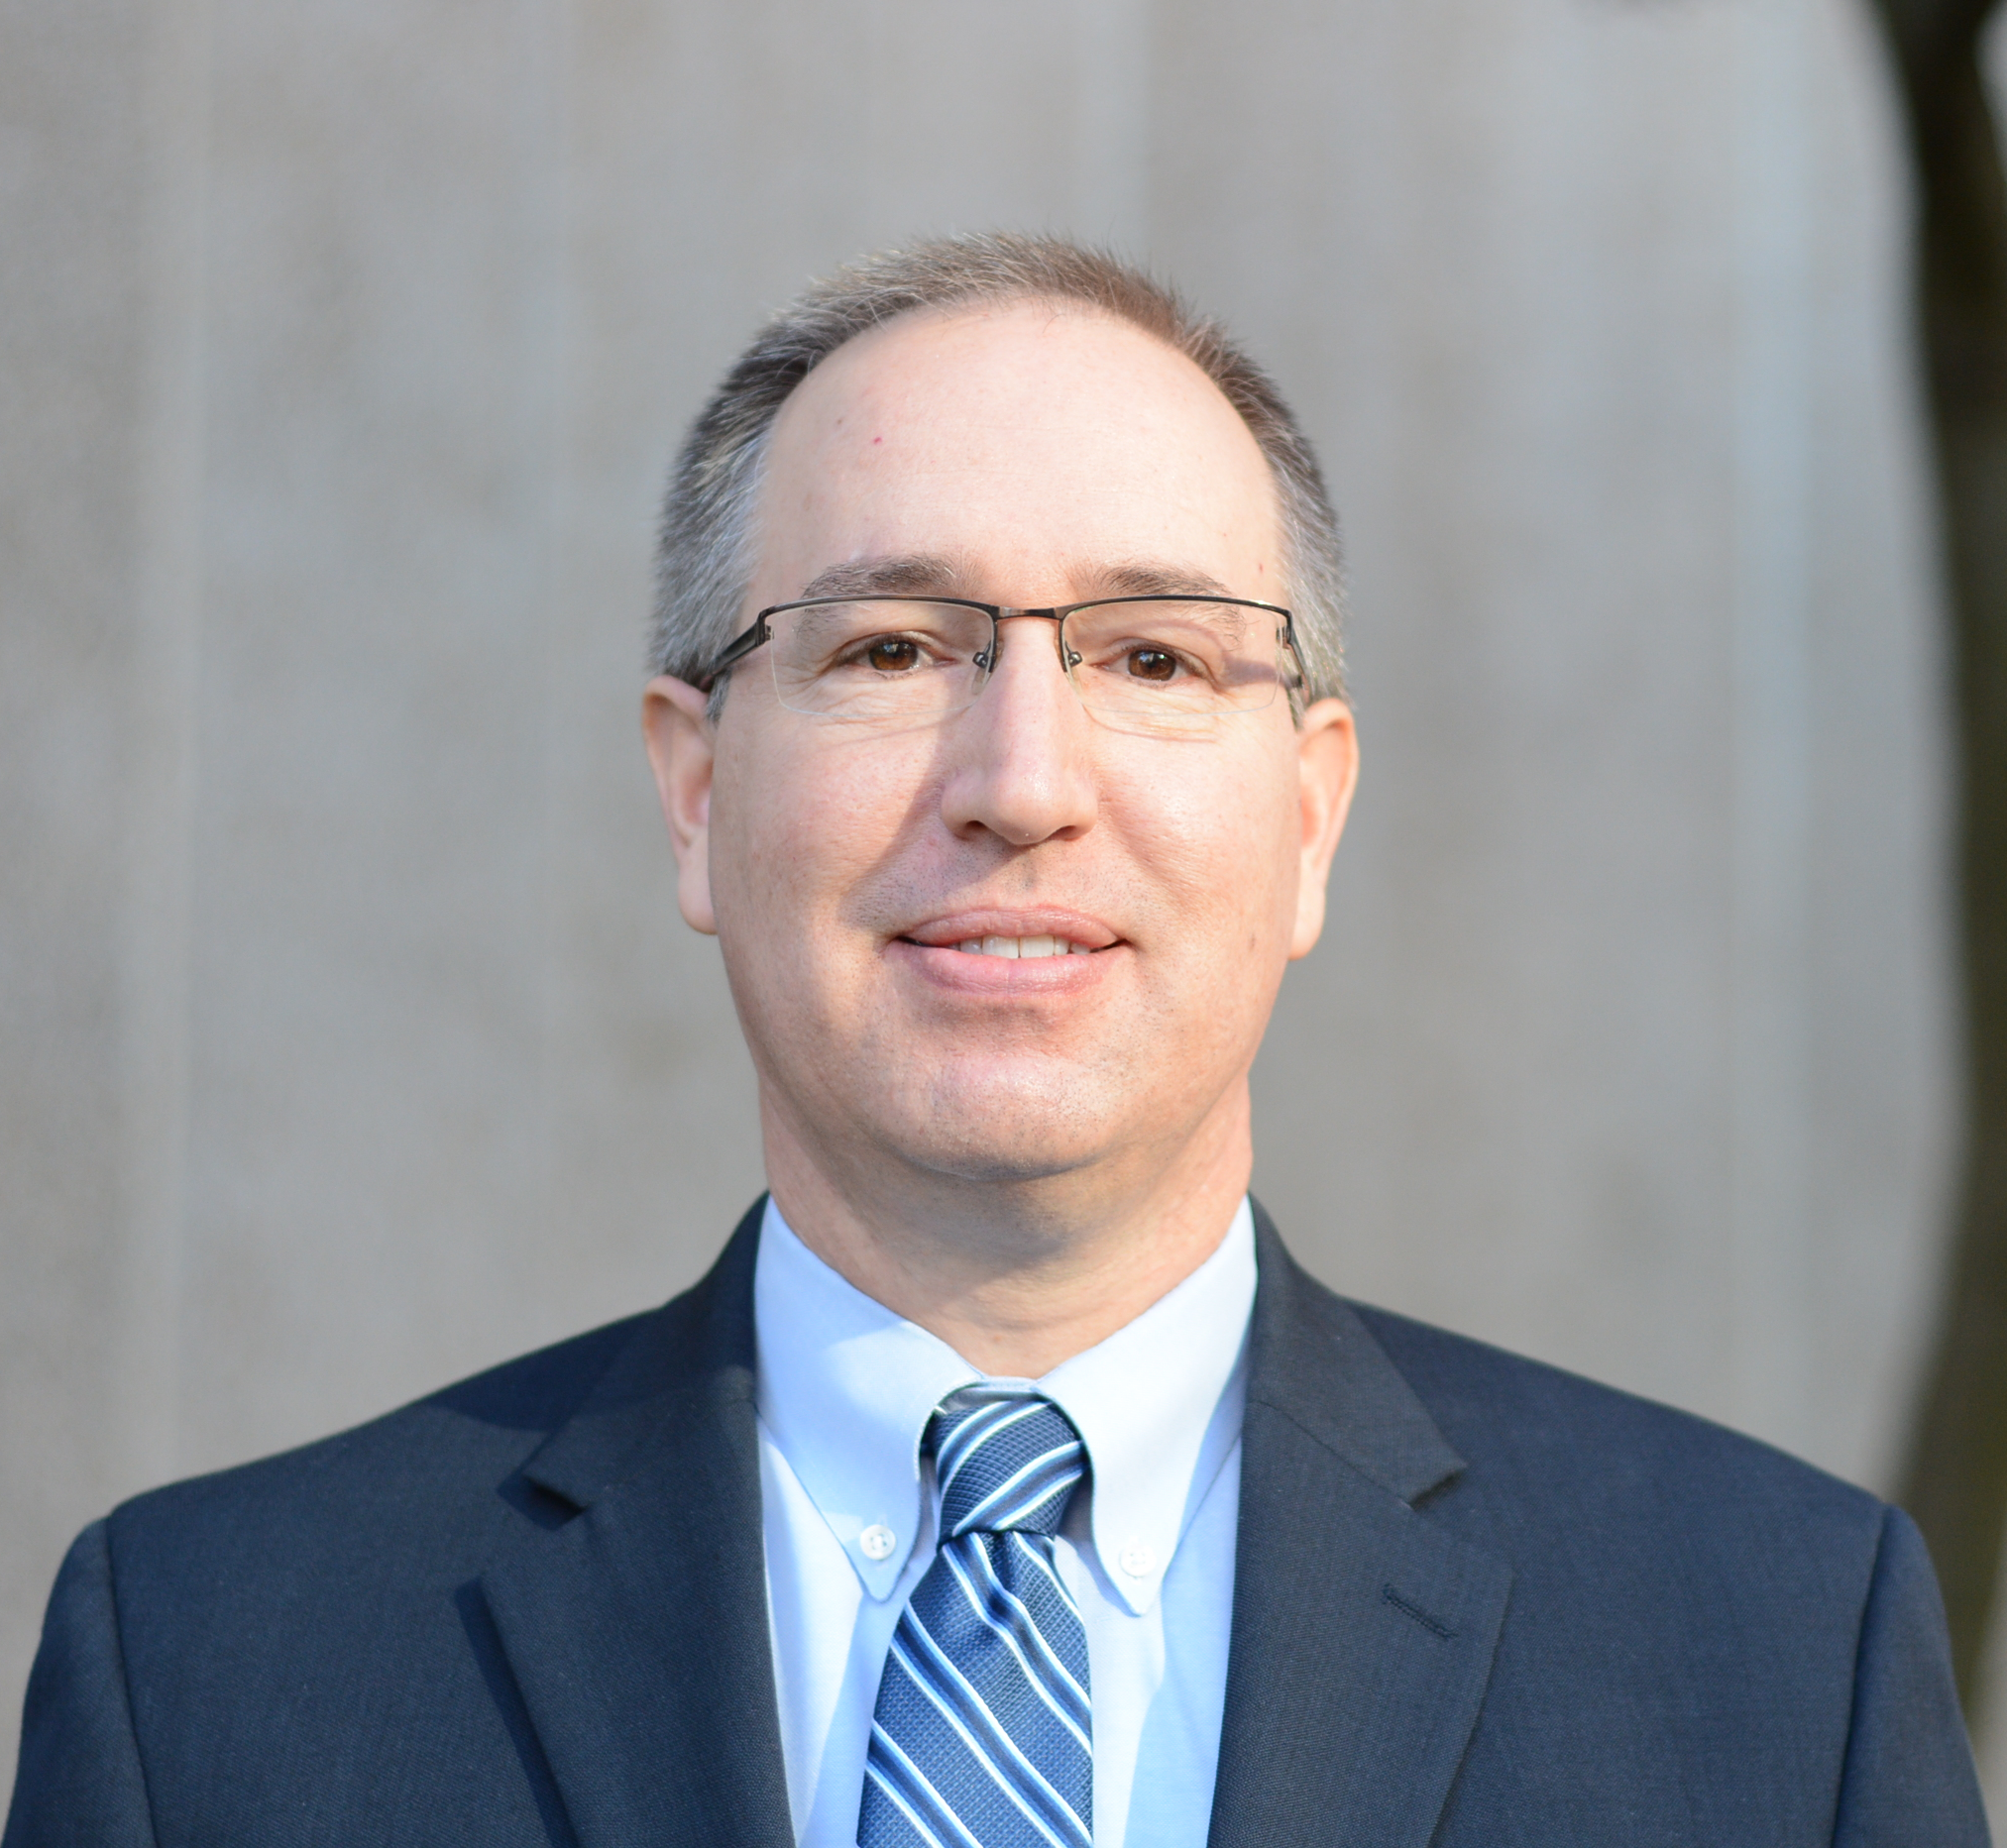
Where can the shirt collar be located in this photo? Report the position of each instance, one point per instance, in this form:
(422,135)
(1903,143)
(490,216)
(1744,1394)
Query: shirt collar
(846,1388)
(1159,1406)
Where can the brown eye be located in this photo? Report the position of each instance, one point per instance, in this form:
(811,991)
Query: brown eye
(1152,664)
(893,655)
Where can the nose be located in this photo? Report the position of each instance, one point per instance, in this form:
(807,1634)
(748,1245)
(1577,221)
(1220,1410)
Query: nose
(1021,763)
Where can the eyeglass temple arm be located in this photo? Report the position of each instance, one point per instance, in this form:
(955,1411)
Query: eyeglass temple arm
(735,651)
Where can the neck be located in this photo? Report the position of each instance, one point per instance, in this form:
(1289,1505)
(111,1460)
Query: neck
(1017,1276)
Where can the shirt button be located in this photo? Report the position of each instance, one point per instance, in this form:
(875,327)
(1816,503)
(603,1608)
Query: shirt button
(877,1542)
(1136,1559)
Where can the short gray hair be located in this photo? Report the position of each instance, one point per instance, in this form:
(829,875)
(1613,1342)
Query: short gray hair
(705,560)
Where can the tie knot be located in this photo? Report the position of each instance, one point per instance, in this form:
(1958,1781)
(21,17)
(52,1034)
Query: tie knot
(1006,1459)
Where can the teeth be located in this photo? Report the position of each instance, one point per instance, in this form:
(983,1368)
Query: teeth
(1017,946)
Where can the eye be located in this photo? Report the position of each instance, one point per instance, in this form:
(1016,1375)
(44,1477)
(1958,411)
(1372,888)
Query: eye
(1152,664)
(893,654)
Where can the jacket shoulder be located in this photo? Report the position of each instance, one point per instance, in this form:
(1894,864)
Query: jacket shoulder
(422,1491)
(434,1463)
(1551,1443)
(1705,1639)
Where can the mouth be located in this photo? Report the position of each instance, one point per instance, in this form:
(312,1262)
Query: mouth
(1022,947)
(974,937)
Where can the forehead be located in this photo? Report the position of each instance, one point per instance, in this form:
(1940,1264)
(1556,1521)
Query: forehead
(1037,443)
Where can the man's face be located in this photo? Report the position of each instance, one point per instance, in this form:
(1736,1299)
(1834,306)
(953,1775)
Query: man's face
(1028,456)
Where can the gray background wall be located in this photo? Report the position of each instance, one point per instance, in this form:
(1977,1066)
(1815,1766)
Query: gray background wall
(350,1038)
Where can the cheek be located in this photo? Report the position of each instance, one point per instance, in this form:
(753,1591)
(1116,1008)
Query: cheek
(1219,842)
(795,832)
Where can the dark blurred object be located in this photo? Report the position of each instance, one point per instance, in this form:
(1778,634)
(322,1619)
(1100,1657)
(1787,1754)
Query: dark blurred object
(1956,1483)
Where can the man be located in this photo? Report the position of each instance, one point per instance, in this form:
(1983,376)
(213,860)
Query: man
(1004,1483)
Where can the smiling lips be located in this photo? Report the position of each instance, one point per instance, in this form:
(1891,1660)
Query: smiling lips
(1033,934)
(1022,947)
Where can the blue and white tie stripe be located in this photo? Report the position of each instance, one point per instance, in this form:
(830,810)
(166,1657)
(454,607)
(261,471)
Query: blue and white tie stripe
(983,1735)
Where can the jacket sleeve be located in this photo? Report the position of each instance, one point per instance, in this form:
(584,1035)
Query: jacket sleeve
(1908,1780)
(79,1783)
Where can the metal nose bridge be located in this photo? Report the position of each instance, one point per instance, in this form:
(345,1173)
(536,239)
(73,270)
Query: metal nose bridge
(1052,613)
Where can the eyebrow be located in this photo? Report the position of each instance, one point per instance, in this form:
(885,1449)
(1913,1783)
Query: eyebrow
(911,574)
(1146,578)
(922,573)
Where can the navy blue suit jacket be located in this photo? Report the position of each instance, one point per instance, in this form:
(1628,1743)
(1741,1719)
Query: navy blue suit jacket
(1478,1603)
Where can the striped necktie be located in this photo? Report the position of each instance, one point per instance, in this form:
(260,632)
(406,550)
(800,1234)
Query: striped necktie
(983,1737)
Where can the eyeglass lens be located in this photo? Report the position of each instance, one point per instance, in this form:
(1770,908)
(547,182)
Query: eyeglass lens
(1161,664)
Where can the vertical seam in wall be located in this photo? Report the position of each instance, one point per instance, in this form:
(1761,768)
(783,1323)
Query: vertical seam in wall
(554,26)
(1768,1056)
(160,790)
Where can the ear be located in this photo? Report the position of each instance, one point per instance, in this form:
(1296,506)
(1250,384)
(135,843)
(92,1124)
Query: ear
(1327,759)
(683,749)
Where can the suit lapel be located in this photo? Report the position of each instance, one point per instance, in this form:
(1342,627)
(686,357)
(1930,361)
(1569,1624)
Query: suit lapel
(629,1597)
(629,1590)
(1362,1634)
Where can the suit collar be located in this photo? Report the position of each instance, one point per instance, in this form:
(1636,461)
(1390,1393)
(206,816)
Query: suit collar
(629,1597)
(1363,1633)
(697,1346)
(1314,1363)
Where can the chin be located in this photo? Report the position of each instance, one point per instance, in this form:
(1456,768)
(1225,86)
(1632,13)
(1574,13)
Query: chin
(1026,1127)
(991,1162)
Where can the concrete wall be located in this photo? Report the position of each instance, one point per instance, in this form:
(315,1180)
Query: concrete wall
(350,1040)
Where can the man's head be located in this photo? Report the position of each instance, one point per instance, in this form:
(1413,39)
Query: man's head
(1028,449)
(709,526)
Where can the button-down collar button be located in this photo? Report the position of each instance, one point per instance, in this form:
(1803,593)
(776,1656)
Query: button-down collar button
(877,1542)
(1136,1558)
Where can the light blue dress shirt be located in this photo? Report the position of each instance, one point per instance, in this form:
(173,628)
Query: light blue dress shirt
(845,1390)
